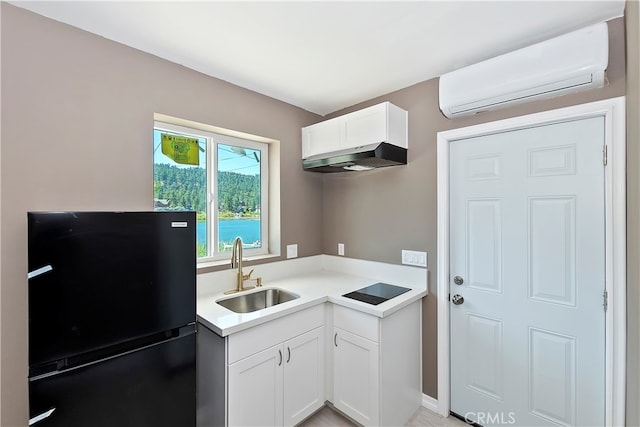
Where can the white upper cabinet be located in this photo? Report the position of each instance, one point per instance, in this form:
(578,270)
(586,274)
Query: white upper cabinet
(323,137)
(379,123)
(366,126)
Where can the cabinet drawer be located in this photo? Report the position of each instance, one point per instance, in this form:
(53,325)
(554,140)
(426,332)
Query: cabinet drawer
(364,325)
(252,340)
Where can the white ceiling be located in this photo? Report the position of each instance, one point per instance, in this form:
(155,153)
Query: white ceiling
(326,55)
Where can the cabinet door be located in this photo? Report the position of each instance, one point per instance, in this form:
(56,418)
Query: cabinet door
(255,389)
(368,126)
(303,376)
(356,377)
(322,137)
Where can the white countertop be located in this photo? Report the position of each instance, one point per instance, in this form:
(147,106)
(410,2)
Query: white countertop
(316,287)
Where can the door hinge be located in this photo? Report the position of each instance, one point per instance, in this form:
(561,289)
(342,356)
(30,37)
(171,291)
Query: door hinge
(605,300)
(604,155)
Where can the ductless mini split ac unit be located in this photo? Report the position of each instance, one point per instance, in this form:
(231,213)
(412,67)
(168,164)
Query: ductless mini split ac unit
(570,63)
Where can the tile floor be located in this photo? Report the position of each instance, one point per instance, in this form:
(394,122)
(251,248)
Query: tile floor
(327,417)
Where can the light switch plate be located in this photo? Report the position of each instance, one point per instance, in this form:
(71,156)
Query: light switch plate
(415,258)
(292,251)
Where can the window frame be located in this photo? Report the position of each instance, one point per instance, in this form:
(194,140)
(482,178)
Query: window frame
(212,140)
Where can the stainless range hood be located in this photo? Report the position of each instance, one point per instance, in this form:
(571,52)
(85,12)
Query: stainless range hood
(362,158)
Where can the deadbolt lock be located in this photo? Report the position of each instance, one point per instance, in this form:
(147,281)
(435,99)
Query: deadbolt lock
(458,280)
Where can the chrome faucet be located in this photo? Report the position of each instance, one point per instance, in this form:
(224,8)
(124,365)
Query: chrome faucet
(236,262)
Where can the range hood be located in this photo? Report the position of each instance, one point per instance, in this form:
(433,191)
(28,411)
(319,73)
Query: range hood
(361,158)
(373,137)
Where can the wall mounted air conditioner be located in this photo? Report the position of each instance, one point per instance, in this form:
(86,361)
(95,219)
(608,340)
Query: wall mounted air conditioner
(570,63)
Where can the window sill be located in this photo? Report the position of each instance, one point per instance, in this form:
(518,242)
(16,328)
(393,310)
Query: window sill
(214,265)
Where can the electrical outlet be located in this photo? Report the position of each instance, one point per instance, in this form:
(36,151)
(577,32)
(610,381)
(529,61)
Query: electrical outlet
(341,249)
(292,251)
(416,258)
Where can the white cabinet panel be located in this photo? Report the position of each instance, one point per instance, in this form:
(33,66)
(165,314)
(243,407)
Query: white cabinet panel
(356,379)
(364,127)
(323,137)
(255,389)
(303,376)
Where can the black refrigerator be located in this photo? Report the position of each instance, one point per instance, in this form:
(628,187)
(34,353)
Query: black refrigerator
(112,335)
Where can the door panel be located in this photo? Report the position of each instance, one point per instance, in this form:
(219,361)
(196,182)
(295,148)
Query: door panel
(552,254)
(552,375)
(484,247)
(303,376)
(559,160)
(527,236)
(356,378)
(255,389)
(484,364)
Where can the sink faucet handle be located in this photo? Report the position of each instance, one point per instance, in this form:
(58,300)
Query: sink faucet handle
(247,276)
(258,282)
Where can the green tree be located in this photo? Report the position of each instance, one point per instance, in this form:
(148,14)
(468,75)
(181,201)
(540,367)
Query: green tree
(185,188)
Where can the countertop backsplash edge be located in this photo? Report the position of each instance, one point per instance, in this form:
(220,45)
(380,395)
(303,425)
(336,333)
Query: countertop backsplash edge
(218,281)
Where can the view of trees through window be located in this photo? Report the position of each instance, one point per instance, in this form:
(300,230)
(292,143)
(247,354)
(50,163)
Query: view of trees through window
(180,183)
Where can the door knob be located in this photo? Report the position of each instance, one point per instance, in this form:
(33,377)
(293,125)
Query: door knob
(457,299)
(458,280)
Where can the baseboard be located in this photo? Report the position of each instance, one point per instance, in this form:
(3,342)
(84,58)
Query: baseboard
(430,403)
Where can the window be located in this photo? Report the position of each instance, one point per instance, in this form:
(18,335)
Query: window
(223,178)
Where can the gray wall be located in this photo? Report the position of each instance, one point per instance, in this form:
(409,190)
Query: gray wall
(377,214)
(77,116)
(632,19)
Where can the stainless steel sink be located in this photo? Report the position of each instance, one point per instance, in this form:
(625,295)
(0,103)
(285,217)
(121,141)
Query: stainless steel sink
(246,303)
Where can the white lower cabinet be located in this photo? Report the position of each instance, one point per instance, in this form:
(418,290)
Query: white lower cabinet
(282,384)
(273,374)
(377,365)
(355,372)
(255,389)
(303,376)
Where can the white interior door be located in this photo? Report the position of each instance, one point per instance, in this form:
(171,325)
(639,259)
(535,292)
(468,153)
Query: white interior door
(527,255)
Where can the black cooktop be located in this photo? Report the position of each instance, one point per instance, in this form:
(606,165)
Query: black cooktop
(376,293)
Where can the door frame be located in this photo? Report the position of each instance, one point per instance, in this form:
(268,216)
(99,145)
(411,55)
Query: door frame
(613,111)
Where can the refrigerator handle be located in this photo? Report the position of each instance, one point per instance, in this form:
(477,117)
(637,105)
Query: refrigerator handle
(41,417)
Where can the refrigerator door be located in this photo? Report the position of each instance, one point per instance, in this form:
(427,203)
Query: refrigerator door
(98,279)
(154,386)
